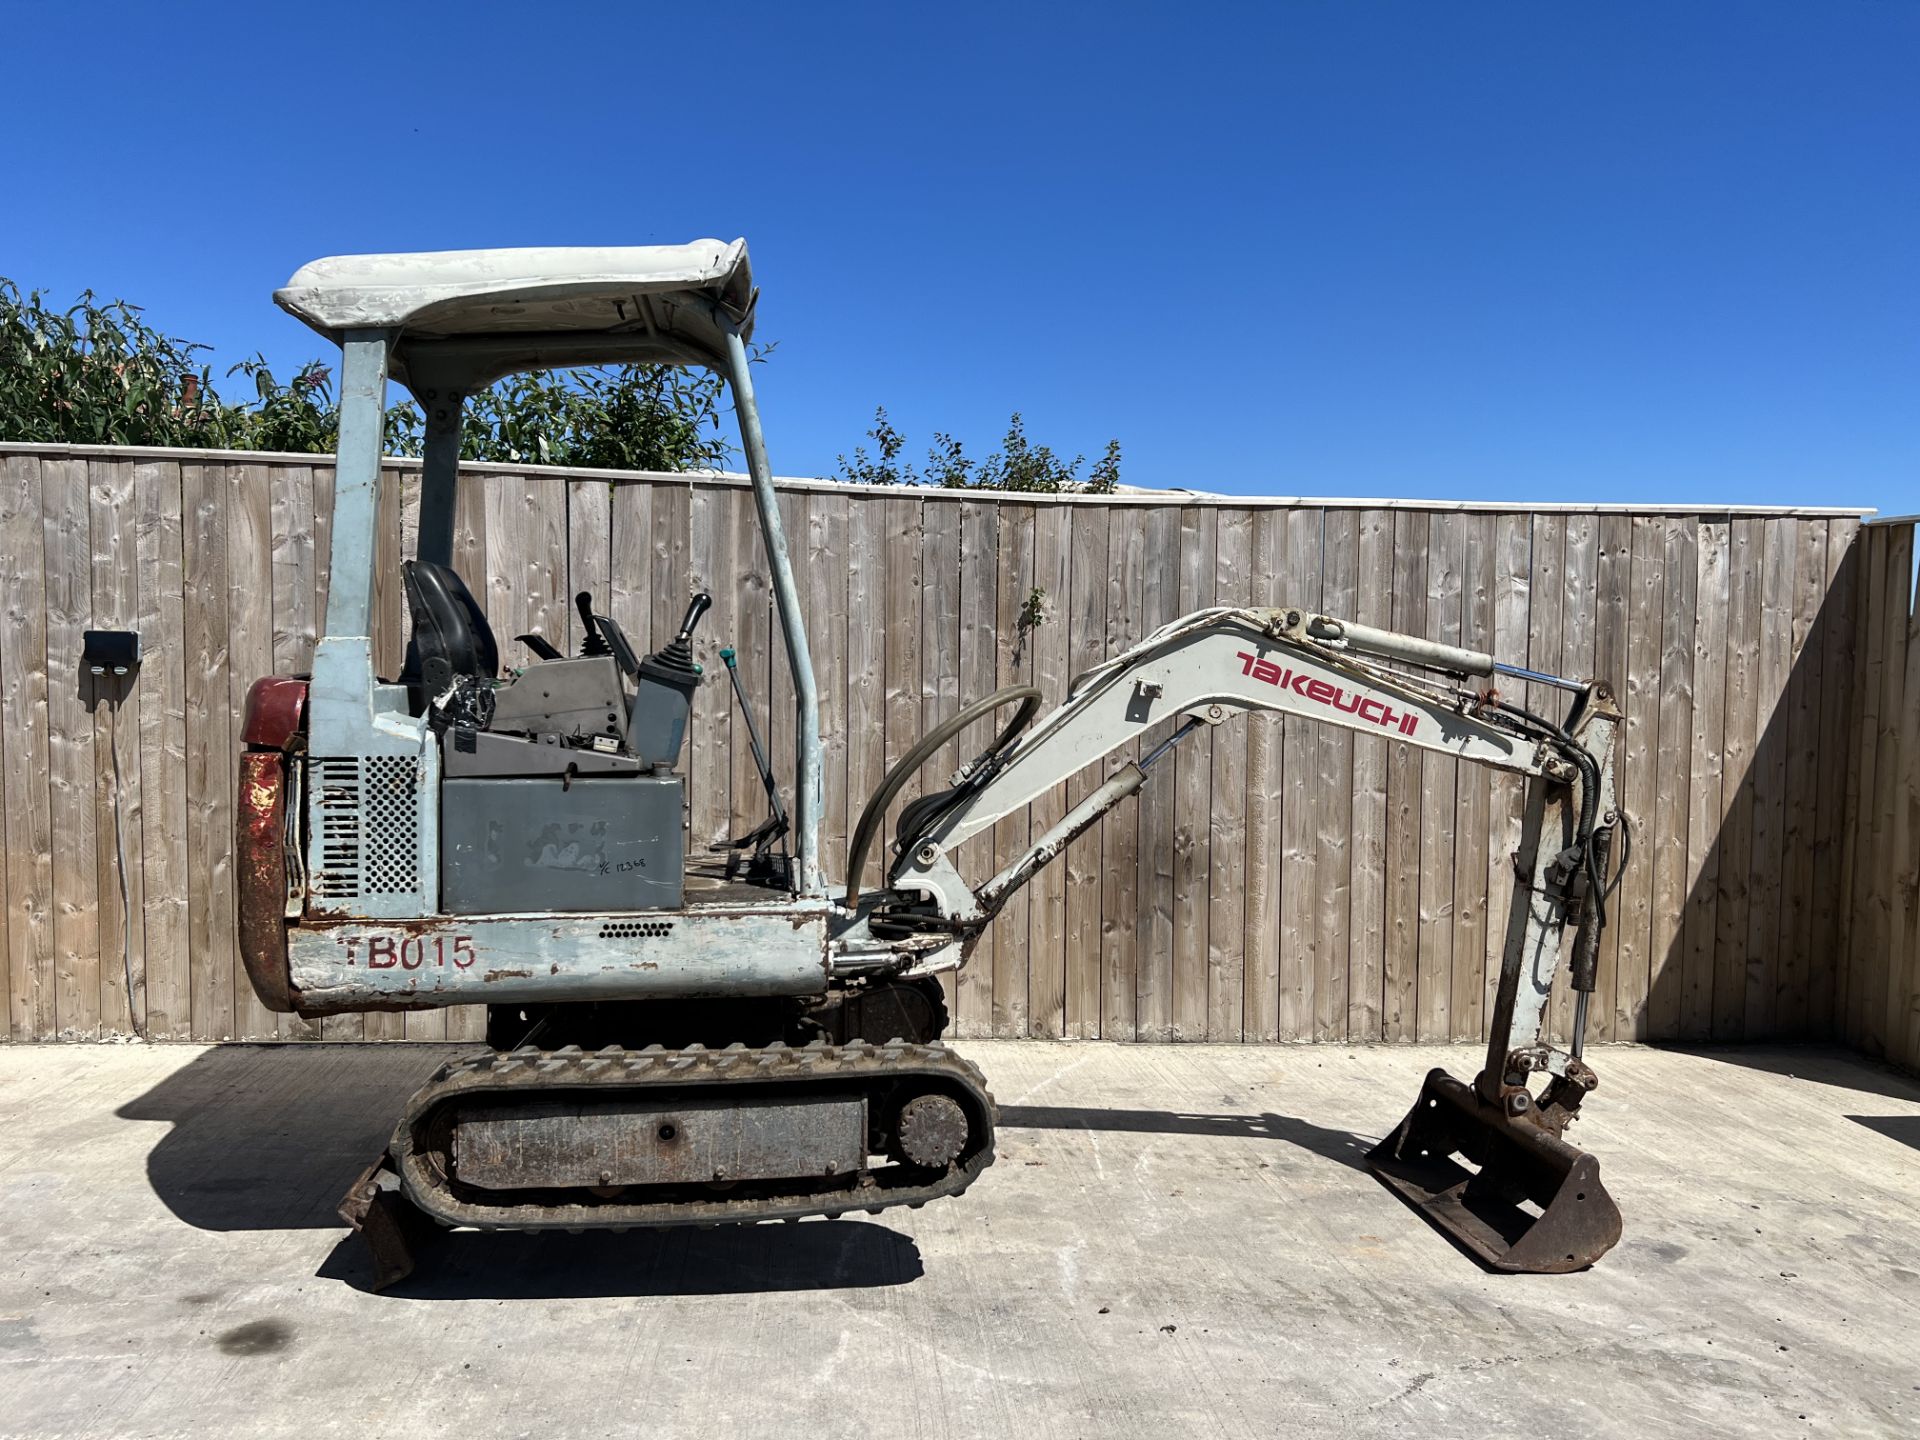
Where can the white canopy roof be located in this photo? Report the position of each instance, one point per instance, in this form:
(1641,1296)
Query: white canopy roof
(645,302)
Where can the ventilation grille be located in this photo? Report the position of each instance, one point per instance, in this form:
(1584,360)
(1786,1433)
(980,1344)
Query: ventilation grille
(368,818)
(635,929)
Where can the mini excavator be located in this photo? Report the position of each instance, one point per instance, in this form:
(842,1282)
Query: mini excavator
(678,1040)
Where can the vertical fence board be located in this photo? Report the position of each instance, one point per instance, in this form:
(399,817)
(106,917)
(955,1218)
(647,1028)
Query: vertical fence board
(1903,1035)
(1120,831)
(1891,867)
(1638,777)
(1801,721)
(904,597)
(708,764)
(31,1013)
(631,579)
(1192,785)
(1086,620)
(1833,636)
(589,554)
(1260,952)
(163,752)
(975,673)
(1226,878)
(70,735)
(1768,775)
(1333,858)
(866,626)
(1669,855)
(1471,815)
(1705,808)
(1013,665)
(210,749)
(1733,838)
(1404,840)
(118,793)
(1367,851)
(1153,876)
(16,997)
(1299,824)
(827,585)
(1439,794)
(1048,641)
(1862,774)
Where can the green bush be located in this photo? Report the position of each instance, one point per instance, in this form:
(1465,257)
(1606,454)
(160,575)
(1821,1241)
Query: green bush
(1018,465)
(98,374)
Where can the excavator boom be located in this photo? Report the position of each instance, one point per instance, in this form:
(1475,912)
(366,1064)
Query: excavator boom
(1486,1162)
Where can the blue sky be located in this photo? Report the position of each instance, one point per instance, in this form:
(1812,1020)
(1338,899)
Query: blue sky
(1634,251)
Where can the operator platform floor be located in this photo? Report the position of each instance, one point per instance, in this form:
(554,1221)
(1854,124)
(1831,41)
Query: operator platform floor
(1176,1242)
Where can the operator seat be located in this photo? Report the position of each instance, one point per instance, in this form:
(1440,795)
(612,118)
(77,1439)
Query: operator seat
(450,635)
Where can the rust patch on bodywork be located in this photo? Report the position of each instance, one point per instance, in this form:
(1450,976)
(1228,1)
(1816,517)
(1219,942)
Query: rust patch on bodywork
(260,877)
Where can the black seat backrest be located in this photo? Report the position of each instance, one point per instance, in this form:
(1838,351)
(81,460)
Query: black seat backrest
(450,635)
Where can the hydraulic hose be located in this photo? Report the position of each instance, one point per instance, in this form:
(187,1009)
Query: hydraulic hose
(925,749)
(1589,769)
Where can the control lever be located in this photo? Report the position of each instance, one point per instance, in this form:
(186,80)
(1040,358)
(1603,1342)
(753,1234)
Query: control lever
(604,635)
(593,643)
(677,654)
(761,838)
(657,718)
(699,606)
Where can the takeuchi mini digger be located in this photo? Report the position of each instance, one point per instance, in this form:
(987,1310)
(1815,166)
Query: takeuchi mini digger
(678,1040)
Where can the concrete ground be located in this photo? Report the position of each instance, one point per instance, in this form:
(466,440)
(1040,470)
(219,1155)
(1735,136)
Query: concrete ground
(1175,1241)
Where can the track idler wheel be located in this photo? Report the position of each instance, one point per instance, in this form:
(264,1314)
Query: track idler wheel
(932,1130)
(1473,1172)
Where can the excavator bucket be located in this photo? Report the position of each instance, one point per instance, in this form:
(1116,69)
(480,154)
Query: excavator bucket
(1509,1193)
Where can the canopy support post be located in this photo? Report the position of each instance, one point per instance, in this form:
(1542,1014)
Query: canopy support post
(810,800)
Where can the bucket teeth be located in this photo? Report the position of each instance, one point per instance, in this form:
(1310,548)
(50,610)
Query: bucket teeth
(1507,1192)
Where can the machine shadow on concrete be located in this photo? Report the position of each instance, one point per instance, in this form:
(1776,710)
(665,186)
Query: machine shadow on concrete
(726,1260)
(268,1137)
(1817,1061)
(1902,1128)
(1342,1146)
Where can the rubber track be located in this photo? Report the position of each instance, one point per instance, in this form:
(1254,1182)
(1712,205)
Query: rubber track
(532,1072)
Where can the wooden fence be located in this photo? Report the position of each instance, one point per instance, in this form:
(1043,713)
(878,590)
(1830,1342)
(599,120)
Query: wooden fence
(1877,1006)
(1277,881)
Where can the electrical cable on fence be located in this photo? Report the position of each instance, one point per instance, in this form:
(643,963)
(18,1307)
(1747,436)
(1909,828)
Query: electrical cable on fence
(120,857)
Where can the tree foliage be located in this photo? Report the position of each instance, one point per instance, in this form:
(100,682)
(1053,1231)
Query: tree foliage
(1018,465)
(98,374)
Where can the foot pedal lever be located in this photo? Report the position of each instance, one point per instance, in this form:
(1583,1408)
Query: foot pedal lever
(1524,1201)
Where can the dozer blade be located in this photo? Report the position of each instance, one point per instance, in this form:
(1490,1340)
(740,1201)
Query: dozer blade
(1531,1203)
(389,1224)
